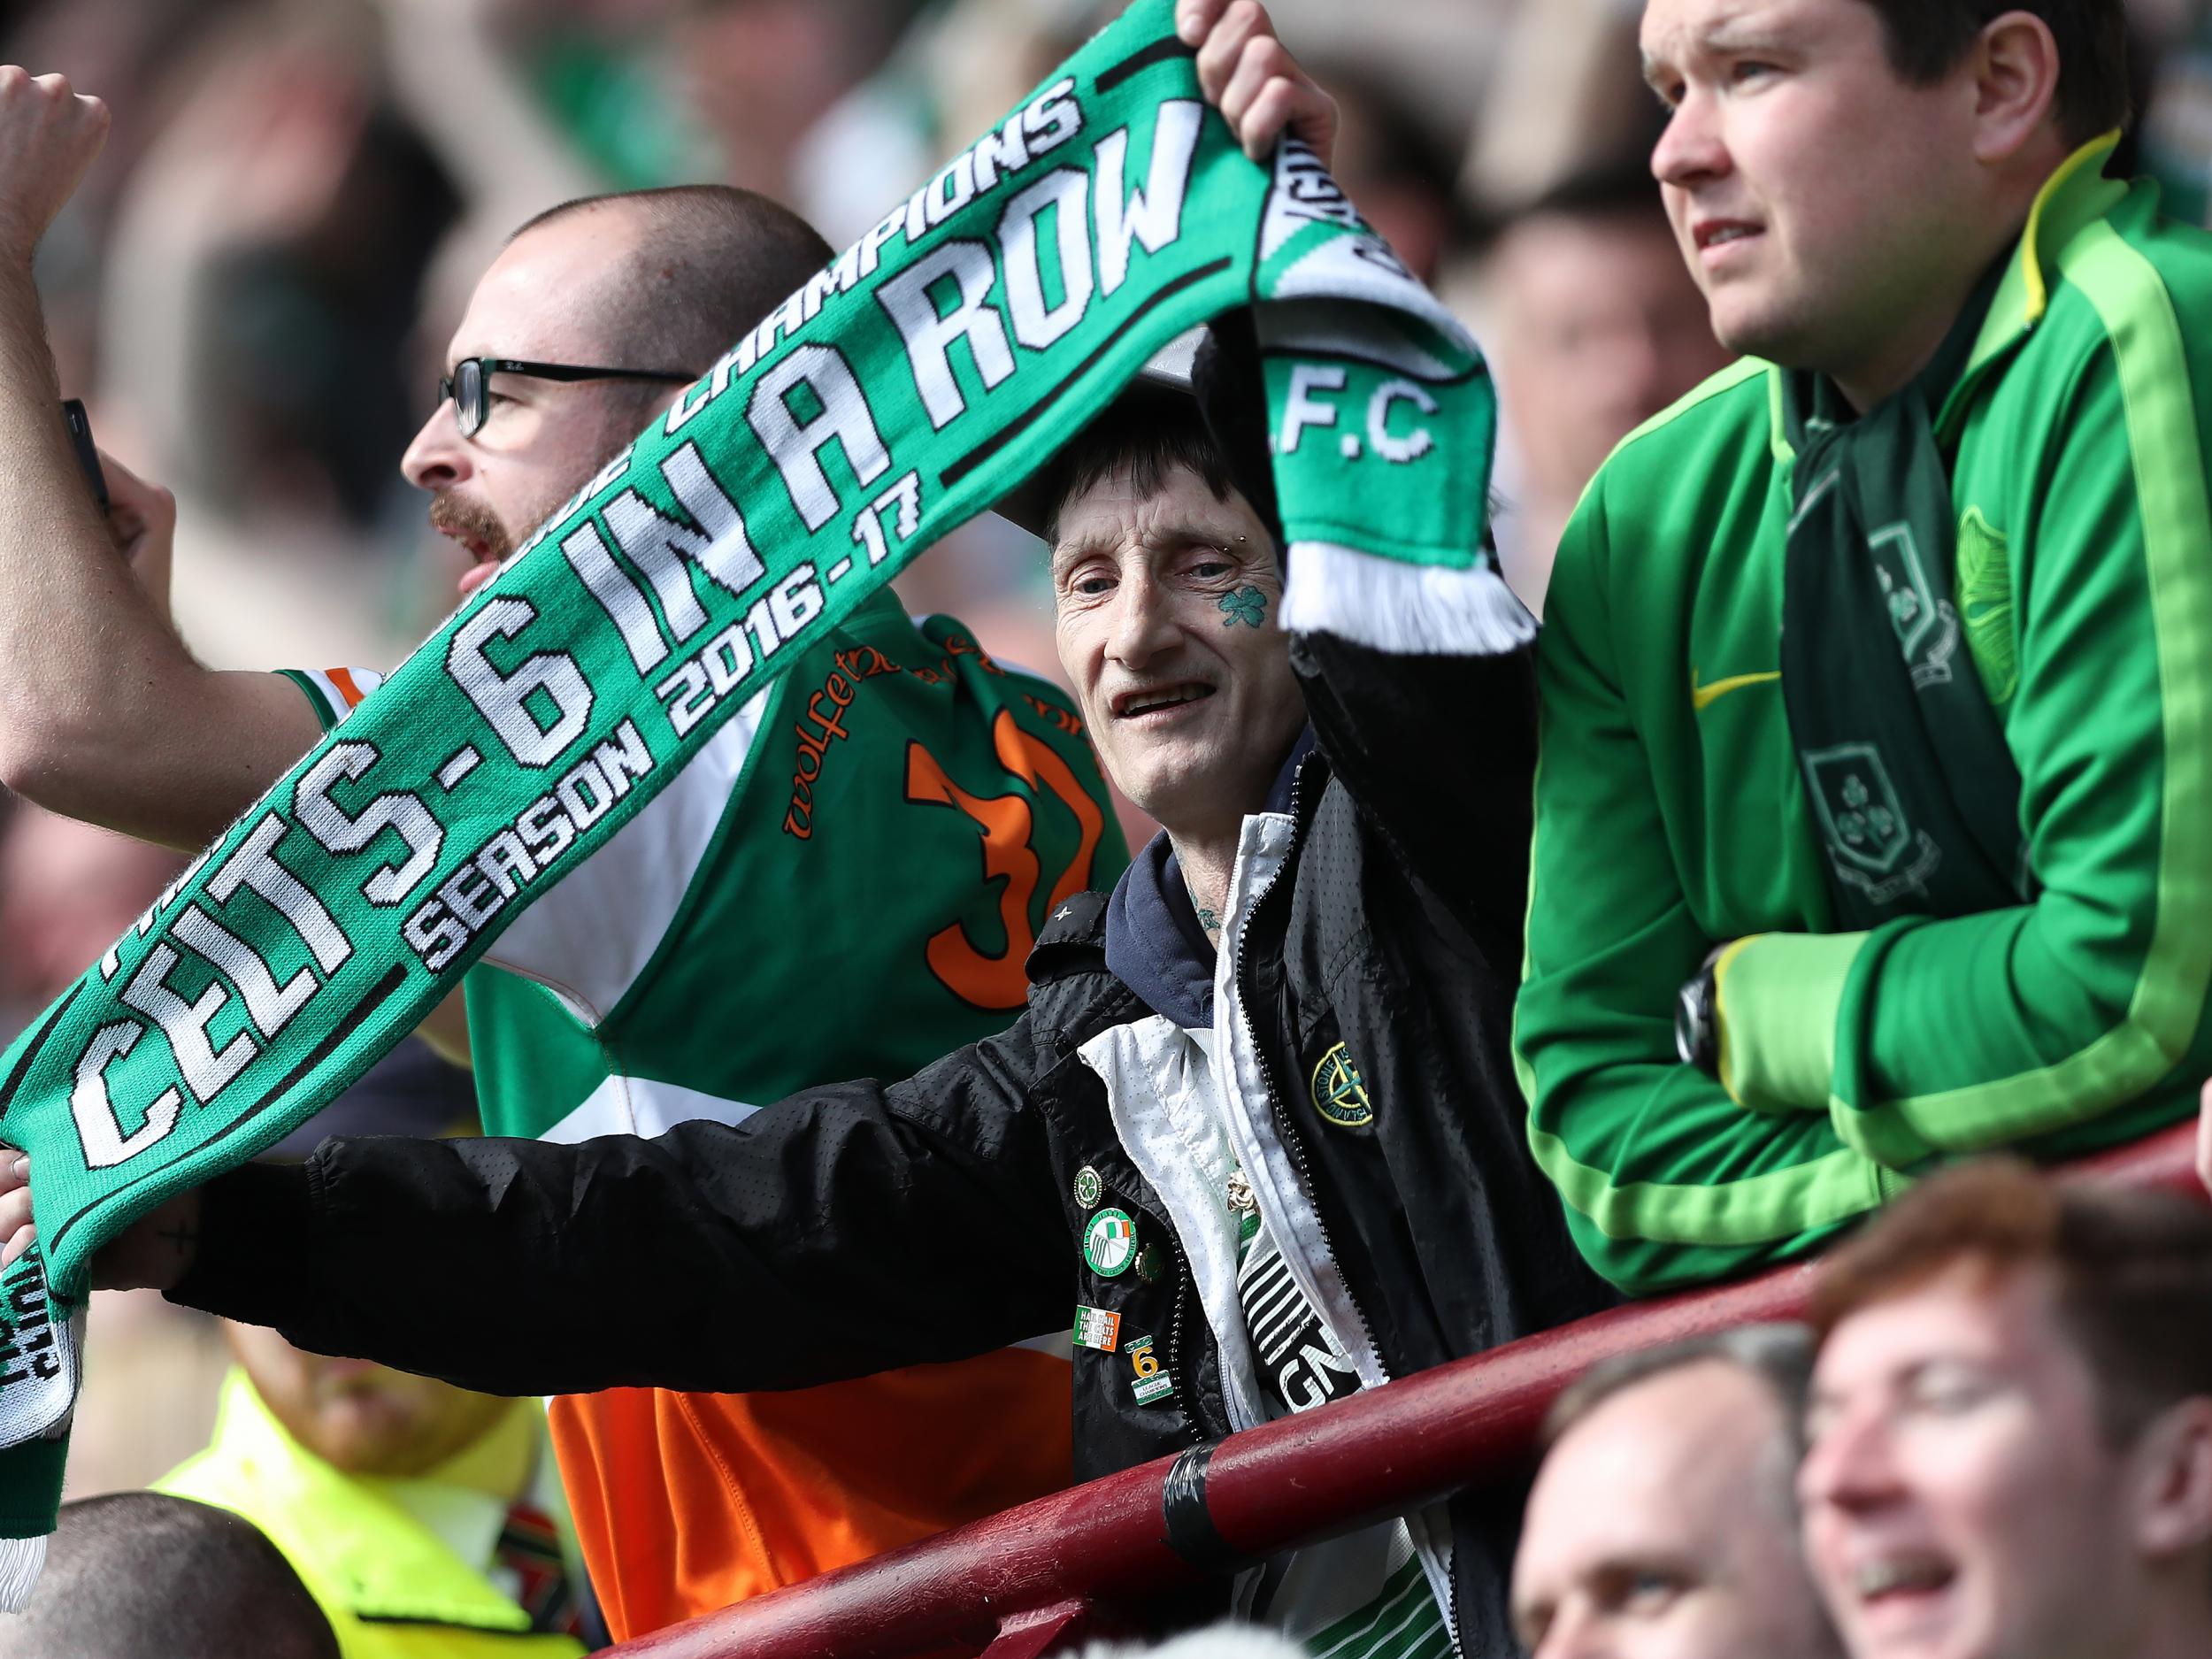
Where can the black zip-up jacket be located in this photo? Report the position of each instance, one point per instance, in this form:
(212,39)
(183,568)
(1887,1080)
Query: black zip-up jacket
(862,1226)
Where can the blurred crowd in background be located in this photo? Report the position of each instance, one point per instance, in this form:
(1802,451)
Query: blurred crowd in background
(254,289)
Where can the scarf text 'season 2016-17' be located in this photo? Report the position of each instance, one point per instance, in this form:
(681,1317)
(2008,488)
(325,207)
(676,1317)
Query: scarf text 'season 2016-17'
(927,372)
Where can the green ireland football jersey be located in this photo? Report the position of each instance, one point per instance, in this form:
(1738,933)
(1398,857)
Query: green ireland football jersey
(846,883)
(1671,817)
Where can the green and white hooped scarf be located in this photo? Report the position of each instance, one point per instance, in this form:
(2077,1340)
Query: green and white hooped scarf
(925,373)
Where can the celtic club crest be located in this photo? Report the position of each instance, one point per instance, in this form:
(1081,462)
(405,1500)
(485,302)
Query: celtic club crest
(1863,823)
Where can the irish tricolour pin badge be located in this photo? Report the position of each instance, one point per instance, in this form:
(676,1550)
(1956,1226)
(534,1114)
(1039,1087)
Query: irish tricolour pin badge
(1110,1243)
(1098,1328)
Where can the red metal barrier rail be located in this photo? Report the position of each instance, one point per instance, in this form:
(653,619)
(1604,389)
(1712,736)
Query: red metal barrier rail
(1024,1580)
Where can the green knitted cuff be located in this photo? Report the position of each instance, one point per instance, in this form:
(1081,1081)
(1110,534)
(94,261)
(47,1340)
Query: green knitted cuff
(1778,995)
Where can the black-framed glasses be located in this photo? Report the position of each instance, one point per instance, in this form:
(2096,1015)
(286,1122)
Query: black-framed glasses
(469,385)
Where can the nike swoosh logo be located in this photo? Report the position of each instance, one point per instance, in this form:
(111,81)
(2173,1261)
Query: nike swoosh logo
(1703,697)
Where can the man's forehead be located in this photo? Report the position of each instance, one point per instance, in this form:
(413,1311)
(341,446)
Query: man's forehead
(1115,510)
(1673,1455)
(1671,1436)
(1672,28)
(543,298)
(1967,1314)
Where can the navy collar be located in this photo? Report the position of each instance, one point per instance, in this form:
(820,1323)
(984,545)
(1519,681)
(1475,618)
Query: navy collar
(1154,944)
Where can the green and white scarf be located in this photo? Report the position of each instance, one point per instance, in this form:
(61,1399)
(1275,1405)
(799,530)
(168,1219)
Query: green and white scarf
(927,372)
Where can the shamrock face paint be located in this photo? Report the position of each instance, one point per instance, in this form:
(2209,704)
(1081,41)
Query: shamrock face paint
(1248,605)
(1192,713)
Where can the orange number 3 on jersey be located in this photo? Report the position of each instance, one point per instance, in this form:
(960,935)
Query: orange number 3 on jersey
(1010,855)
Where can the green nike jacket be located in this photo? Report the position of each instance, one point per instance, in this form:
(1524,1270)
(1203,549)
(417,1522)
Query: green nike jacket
(1671,818)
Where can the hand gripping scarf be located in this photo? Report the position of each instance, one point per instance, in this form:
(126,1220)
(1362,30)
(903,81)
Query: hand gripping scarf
(923,374)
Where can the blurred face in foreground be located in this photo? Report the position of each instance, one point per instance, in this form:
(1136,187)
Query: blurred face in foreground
(543,300)
(362,1418)
(1962,1497)
(66,890)
(1824,203)
(1659,1528)
(1602,329)
(1168,614)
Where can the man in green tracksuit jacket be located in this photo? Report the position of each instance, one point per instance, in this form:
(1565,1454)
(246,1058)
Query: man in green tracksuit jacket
(1879,686)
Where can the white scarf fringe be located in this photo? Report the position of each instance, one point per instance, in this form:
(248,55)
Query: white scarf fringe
(22,1561)
(1407,610)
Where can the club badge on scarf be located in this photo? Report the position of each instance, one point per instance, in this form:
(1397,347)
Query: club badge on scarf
(927,372)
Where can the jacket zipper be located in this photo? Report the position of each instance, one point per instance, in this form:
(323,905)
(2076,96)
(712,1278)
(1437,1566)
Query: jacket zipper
(1175,1372)
(1283,1126)
(1296,1143)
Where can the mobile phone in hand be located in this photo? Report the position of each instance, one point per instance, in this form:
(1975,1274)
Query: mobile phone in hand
(87,455)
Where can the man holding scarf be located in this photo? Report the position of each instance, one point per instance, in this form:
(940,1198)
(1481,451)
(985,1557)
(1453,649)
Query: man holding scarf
(588,1020)
(1255,1139)
(1878,674)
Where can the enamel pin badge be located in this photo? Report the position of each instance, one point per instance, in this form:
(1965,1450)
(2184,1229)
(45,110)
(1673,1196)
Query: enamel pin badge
(1110,1243)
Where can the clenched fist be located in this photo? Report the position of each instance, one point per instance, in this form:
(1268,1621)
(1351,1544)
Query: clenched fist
(49,135)
(153,1252)
(1248,74)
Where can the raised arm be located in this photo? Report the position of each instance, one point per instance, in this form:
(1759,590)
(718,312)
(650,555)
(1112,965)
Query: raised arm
(1248,74)
(840,1231)
(1440,754)
(104,714)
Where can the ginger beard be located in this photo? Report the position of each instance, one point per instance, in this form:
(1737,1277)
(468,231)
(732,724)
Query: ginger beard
(471,523)
(478,530)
